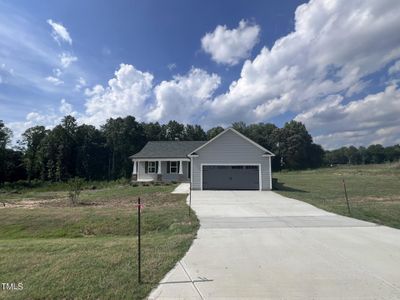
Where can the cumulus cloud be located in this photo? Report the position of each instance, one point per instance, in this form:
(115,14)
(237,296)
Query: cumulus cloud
(67,59)
(305,72)
(59,32)
(331,55)
(230,46)
(185,98)
(66,108)
(373,119)
(125,94)
(307,68)
(308,65)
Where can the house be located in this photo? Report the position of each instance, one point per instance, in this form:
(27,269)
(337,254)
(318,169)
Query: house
(229,161)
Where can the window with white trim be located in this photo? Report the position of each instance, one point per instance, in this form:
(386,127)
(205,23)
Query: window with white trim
(152,167)
(174,167)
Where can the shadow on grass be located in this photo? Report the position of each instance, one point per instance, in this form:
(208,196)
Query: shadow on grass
(280,186)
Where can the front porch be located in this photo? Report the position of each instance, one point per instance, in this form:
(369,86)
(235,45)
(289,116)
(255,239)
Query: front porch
(161,170)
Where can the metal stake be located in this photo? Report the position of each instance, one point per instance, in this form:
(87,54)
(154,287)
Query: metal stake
(347,199)
(139,246)
(190,197)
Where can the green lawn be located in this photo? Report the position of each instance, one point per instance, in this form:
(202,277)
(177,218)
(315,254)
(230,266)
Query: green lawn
(373,190)
(89,251)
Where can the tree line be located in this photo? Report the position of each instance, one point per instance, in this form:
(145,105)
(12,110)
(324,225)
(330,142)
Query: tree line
(71,150)
(374,154)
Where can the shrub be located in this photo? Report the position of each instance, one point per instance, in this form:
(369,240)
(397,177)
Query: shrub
(75,187)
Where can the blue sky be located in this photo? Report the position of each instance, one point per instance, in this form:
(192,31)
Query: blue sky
(333,65)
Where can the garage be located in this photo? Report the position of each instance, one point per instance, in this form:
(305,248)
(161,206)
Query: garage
(231,177)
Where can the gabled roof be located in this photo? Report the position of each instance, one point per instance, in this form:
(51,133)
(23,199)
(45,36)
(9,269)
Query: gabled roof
(167,149)
(267,152)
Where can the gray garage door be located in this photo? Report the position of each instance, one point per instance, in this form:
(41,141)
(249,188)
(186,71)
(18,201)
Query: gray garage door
(230,177)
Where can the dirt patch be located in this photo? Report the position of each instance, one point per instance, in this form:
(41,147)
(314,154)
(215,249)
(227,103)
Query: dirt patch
(380,199)
(157,199)
(28,204)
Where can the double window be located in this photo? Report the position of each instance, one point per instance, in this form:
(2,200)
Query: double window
(172,167)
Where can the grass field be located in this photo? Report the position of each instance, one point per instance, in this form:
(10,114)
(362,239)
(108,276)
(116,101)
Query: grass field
(373,190)
(89,250)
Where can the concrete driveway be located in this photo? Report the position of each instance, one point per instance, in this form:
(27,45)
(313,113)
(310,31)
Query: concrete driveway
(261,245)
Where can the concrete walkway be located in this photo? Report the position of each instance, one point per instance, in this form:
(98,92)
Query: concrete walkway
(182,188)
(261,245)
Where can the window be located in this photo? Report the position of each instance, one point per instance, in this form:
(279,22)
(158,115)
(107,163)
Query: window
(173,167)
(152,167)
(251,167)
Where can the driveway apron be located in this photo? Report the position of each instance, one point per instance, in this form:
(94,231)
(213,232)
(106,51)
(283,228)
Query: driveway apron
(260,245)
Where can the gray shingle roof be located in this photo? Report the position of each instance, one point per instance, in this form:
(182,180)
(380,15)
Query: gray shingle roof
(168,149)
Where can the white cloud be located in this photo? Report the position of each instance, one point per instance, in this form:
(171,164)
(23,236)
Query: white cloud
(331,55)
(67,59)
(81,83)
(59,32)
(66,108)
(126,94)
(54,80)
(331,51)
(185,98)
(395,68)
(25,51)
(373,119)
(308,65)
(49,119)
(230,46)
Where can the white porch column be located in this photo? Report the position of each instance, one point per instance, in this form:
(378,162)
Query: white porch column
(159,167)
(134,167)
(180,167)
